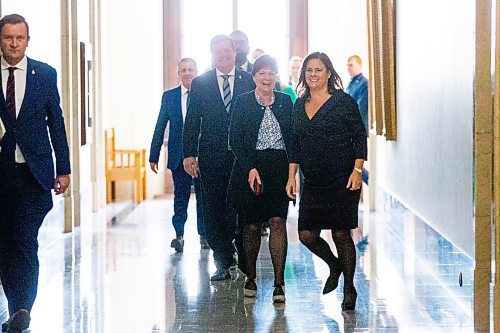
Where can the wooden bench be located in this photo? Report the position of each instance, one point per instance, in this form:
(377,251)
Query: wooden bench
(124,164)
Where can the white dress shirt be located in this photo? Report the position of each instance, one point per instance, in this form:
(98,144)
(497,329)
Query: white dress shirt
(184,98)
(20,88)
(245,66)
(220,80)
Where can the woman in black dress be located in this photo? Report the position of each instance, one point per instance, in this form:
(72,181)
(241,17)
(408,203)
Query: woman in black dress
(329,144)
(261,128)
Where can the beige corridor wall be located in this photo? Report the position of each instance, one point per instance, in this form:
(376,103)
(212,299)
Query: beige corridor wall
(429,168)
(132,69)
(339,29)
(45,42)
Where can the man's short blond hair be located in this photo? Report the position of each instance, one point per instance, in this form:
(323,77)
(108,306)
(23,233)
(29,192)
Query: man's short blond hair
(355,58)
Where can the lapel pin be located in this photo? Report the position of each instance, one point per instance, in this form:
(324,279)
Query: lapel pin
(239,77)
(33,72)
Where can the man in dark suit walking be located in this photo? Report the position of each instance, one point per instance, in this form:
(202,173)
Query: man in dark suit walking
(29,112)
(206,142)
(173,111)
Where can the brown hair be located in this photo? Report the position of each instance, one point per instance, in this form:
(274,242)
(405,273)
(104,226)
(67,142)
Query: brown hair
(265,61)
(334,80)
(14,19)
(186,59)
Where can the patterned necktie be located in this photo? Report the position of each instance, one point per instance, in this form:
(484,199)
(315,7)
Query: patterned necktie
(10,98)
(187,99)
(226,91)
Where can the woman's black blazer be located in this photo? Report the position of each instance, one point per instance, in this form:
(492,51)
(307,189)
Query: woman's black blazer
(244,129)
(245,124)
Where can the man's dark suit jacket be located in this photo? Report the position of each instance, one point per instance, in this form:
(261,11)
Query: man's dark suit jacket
(40,110)
(358,89)
(207,118)
(171,111)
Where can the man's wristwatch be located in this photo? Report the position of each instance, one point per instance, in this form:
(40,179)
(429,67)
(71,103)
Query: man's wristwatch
(358,170)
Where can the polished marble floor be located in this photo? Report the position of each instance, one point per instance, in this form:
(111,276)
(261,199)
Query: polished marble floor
(117,273)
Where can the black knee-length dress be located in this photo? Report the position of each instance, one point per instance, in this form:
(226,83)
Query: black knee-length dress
(272,164)
(326,147)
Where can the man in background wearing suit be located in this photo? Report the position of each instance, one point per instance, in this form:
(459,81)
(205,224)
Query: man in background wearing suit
(240,40)
(173,111)
(29,112)
(358,87)
(206,138)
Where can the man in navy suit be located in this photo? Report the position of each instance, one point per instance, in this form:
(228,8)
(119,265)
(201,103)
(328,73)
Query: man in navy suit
(206,142)
(32,128)
(173,111)
(358,89)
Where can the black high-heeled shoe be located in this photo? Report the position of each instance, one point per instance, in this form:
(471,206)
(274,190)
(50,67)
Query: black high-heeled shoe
(350,296)
(333,280)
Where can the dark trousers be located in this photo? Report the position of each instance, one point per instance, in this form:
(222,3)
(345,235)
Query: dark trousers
(23,206)
(218,217)
(182,193)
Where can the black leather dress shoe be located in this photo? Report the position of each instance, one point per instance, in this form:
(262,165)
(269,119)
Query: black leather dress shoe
(221,274)
(204,244)
(18,322)
(177,244)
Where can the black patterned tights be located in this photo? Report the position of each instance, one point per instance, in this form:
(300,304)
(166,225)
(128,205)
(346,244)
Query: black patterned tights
(277,246)
(345,248)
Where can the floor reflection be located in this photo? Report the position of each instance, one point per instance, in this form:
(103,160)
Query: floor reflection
(120,275)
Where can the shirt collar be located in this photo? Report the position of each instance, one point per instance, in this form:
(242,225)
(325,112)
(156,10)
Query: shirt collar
(22,65)
(231,73)
(183,89)
(357,76)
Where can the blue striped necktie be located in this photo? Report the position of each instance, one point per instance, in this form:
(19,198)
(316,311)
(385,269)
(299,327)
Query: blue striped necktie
(226,91)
